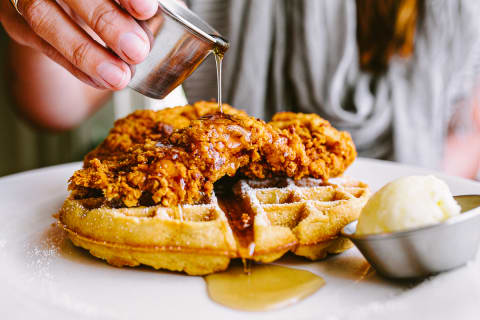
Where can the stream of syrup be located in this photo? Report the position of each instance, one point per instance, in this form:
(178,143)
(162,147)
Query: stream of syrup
(218,52)
(218,62)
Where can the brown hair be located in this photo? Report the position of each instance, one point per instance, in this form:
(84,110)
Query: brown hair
(385,28)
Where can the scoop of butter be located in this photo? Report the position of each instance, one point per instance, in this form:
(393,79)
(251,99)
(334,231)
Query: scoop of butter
(407,203)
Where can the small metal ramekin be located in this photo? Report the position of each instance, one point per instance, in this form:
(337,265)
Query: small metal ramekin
(423,251)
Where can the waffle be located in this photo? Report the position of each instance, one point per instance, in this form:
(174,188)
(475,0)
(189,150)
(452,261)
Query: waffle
(258,220)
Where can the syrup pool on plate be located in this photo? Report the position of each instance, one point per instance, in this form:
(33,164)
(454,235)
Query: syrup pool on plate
(265,287)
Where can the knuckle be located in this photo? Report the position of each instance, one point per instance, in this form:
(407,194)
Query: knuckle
(103,17)
(36,12)
(80,53)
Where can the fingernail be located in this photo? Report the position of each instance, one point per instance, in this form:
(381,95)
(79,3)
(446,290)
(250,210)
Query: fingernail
(111,74)
(145,8)
(135,48)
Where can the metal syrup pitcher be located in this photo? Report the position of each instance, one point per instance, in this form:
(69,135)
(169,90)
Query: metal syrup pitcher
(181,42)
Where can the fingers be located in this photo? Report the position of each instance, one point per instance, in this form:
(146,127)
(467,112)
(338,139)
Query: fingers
(115,27)
(53,54)
(51,23)
(140,9)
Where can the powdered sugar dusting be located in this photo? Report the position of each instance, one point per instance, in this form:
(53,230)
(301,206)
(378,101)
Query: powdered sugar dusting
(43,279)
(41,253)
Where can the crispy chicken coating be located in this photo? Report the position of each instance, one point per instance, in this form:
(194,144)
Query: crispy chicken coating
(328,150)
(175,155)
(142,124)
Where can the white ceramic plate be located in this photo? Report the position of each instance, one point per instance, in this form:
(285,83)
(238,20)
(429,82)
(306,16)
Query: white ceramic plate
(42,276)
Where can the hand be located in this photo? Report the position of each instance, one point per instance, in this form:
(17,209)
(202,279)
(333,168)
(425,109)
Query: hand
(76,34)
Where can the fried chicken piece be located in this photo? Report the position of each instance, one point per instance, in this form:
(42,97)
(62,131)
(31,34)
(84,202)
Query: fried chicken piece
(329,151)
(148,173)
(155,125)
(176,167)
(181,168)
